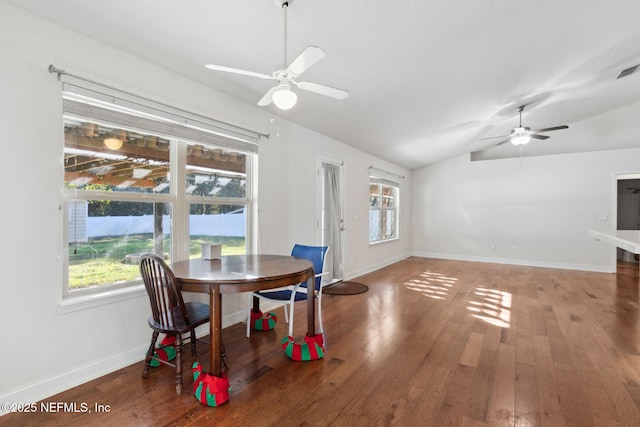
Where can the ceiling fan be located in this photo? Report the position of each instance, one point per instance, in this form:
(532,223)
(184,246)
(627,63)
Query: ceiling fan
(281,94)
(521,135)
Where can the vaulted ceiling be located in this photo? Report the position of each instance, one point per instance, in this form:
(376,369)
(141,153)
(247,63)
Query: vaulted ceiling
(427,79)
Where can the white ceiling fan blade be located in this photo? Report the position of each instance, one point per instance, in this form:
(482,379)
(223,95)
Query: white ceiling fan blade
(238,71)
(309,57)
(268,97)
(323,90)
(493,137)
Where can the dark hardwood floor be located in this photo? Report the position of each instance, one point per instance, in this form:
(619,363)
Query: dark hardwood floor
(432,343)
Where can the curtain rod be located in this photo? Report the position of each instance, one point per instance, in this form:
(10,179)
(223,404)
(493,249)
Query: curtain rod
(60,72)
(387,172)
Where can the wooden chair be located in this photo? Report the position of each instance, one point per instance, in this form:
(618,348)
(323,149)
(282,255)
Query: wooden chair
(169,313)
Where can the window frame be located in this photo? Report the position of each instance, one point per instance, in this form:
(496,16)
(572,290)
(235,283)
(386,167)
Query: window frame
(177,199)
(381,183)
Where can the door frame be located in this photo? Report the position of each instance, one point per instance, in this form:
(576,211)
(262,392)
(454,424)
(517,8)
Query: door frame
(320,161)
(620,176)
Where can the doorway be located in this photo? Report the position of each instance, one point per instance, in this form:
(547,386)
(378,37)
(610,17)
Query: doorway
(330,216)
(627,211)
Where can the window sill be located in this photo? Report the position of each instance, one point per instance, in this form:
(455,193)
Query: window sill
(71,304)
(393,239)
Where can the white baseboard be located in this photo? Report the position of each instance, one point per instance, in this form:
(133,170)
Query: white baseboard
(58,383)
(372,268)
(55,384)
(528,263)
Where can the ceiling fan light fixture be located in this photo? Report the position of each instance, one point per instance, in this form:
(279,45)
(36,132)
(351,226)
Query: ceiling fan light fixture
(520,140)
(520,136)
(284,98)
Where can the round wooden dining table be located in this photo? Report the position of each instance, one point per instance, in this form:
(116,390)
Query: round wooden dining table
(241,273)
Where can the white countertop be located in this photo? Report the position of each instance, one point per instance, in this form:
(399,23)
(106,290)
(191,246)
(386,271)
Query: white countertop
(629,240)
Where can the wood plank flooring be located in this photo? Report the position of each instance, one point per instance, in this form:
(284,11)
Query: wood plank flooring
(432,343)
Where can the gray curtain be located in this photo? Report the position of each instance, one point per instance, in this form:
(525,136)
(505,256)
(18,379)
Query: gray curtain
(333,223)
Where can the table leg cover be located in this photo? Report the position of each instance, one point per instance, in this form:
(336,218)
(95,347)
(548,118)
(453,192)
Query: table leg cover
(311,349)
(209,389)
(165,350)
(262,322)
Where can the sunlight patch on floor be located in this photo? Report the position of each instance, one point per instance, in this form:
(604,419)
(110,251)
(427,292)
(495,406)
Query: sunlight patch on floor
(432,285)
(492,306)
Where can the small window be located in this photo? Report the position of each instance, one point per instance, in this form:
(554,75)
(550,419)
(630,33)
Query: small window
(383,210)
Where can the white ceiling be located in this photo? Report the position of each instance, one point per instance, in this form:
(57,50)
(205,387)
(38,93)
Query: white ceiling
(426,78)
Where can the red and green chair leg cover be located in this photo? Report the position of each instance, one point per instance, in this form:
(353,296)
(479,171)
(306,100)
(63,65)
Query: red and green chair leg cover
(209,389)
(165,350)
(311,349)
(261,322)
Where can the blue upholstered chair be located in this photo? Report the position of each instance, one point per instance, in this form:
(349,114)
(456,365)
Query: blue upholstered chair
(289,295)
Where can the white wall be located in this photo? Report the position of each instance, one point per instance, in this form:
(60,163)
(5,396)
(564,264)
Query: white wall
(530,211)
(47,349)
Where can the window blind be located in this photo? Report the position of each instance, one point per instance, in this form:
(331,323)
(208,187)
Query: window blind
(112,108)
(377,180)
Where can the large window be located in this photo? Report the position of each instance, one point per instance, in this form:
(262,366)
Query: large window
(134,183)
(383,210)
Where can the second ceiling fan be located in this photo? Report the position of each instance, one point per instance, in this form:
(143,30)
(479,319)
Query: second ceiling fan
(281,94)
(522,135)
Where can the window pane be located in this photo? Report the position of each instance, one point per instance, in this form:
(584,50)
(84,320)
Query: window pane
(214,172)
(374,195)
(105,158)
(389,224)
(374,225)
(217,224)
(107,237)
(388,197)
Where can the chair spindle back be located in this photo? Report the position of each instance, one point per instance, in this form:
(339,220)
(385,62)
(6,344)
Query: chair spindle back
(167,305)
